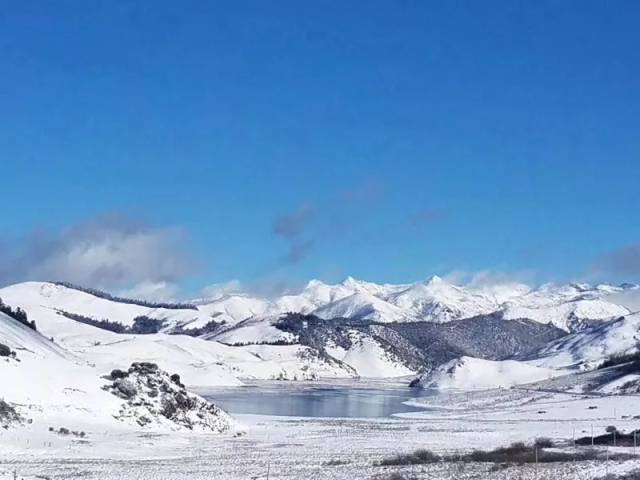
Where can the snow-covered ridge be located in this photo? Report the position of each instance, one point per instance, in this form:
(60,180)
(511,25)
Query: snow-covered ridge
(587,348)
(468,373)
(434,300)
(46,384)
(249,341)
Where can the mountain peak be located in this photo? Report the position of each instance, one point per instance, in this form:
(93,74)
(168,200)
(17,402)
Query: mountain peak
(349,281)
(314,282)
(436,281)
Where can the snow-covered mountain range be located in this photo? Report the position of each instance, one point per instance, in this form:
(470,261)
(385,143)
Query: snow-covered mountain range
(225,339)
(433,300)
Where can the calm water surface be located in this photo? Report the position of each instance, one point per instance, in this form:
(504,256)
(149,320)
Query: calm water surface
(336,400)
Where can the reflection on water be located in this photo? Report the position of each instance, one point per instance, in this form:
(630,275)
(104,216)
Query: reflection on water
(315,400)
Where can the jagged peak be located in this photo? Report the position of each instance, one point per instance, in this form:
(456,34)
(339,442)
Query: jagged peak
(436,280)
(352,281)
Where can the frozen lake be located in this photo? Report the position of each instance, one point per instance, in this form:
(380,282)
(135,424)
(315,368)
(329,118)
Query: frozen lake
(333,399)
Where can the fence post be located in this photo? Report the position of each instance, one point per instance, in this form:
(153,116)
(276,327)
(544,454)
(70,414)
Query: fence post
(592,443)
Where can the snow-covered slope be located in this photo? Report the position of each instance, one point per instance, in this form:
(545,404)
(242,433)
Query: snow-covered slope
(583,350)
(588,348)
(247,343)
(368,357)
(198,361)
(467,373)
(43,377)
(435,300)
(363,306)
(43,296)
(232,309)
(50,386)
(439,301)
(565,305)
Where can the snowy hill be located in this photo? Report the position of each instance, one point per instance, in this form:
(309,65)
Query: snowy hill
(245,340)
(467,373)
(49,297)
(439,301)
(199,362)
(575,357)
(43,376)
(588,348)
(566,305)
(435,300)
(363,306)
(50,386)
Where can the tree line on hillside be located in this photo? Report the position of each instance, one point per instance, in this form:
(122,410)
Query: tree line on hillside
(628,362)
(142,325)
(129,301)
(18,314)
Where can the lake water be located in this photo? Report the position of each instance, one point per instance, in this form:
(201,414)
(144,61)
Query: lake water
(335,400)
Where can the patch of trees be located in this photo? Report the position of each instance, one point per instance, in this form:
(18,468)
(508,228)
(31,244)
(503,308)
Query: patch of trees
(5,351)
(630,362)
(143,325)
(104,324)
(18,314)
(278,342)
(8,414)
(129,301)
(209,327)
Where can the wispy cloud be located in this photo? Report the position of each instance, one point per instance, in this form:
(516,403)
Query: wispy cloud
(489,278)
(152,291)
(621,264)
(313,224)
(292,224)
(298,251)
(219,290)
(109,251)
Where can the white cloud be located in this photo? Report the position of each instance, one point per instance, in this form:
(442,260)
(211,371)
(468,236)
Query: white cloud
(111,252)
(152,291)
(219,290)
(488,278)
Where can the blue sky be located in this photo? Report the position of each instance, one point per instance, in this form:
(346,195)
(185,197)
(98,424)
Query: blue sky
(282,141)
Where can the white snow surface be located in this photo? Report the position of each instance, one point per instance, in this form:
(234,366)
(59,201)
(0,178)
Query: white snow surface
(239,351)
(48,384)
(433,300)
(199,362)
(368,358)
(586,349)
(468,373)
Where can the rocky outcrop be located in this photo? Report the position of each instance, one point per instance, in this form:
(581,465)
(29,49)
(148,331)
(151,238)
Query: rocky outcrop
(8,415)
(6,351)
(153,397)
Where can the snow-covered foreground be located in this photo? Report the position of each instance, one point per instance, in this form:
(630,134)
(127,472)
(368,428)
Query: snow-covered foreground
(304,448)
